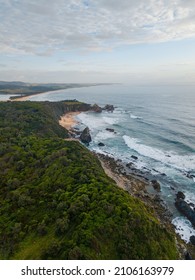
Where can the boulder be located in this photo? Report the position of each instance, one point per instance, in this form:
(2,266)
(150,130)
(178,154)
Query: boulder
(186,210)
(110,129)
(191,205)
(96,108)
(109,108)
(156,185)
(85,136)
(180,195)
(192,239)
(134,157)
(129,164)
(101,144)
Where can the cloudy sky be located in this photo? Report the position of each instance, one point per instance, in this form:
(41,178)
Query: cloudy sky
(135,41)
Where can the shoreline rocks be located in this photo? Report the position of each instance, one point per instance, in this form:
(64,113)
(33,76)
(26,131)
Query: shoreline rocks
(100,144)
(110,129)
(134,157)
(138,187)
(180,195)
(109,108)
(96,108)
(85,136)
(184,208)
(156,185)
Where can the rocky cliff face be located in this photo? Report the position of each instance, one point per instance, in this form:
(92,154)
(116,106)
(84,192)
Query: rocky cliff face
(60,108)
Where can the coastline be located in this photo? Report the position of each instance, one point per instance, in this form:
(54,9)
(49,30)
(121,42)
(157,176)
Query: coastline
(131,182)
(25,98)
(136,185)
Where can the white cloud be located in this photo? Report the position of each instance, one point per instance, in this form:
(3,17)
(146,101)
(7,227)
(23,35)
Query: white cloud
(45,26)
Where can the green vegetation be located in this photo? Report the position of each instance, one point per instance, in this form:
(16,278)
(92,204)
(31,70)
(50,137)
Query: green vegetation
(56,201)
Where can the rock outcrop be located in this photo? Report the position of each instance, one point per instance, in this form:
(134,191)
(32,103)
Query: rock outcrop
(180,195)
(100,144)
(96,108)
(85,136)
(134,157)
(156,185)
(110,129)
(186,210)
(109,108)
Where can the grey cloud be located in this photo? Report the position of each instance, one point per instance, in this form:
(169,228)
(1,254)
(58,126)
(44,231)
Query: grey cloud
(41,27)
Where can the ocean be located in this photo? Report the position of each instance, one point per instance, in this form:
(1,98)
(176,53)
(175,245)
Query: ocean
(154,124)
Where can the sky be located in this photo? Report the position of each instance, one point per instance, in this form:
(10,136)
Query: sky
(92,41)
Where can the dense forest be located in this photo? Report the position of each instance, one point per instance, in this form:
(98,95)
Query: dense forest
(56,201)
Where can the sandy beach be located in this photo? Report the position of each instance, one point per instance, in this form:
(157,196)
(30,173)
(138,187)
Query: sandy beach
(68,120)
(25,98)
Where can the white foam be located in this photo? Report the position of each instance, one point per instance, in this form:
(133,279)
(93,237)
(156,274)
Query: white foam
(189,197)
(183,228)
(110,120)
(134,116)
(90,121)
(99,151)
(102,135)
(170,158)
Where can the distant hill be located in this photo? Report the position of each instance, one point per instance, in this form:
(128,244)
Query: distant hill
(57,202)
(25,89)
(2,83)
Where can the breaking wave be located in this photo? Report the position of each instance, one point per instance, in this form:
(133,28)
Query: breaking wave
(180,162)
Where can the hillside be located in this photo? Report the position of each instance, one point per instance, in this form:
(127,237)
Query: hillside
(57,202)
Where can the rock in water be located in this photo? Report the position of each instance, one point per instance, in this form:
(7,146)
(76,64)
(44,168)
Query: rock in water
(180,195)
(186,210)
(110,129)
(109,108)
(85,136)
(97,108)
(156,185)
(101,144)
(134,157)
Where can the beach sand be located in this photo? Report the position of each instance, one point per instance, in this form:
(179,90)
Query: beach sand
(25,98)
(68,120)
